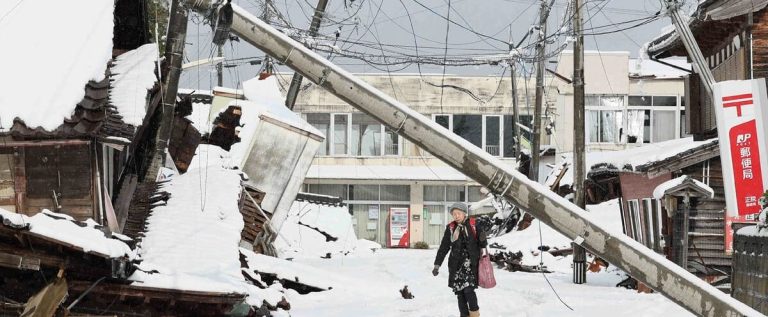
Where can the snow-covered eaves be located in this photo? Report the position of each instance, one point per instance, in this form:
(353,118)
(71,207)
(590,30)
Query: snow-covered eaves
(673,186)
(64,230)
(381,172)
(44,73)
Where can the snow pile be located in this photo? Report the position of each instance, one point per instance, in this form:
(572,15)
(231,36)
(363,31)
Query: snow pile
(133,75)
(63,228)
(606,214)
(660,190)
(44,74)
(631,159)
(298,240)
(200,117)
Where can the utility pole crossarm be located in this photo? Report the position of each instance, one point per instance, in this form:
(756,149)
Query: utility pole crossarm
(642,263)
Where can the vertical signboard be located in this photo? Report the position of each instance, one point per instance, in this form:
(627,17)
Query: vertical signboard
(741,113)
(399,225)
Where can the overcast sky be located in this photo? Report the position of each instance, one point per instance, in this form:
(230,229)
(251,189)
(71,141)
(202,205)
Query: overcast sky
(370,22)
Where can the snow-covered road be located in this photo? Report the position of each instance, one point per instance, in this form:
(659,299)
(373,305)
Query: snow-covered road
(367,284)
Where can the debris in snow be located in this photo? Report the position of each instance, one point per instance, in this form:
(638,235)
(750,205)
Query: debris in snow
(406,293)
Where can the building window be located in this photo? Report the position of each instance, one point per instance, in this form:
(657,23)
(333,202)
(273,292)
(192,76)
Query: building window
(322,122)
(605,118)
(340,134)
(391,142)
(335,190)
(366,135)
(469,127)
(492,135)
(660,116)
(444,120)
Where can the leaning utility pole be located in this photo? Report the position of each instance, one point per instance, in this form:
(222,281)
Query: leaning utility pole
(700,65)
(515,109)
(579,253)
(536,137)
(174,51)
(293,91)
(644,264)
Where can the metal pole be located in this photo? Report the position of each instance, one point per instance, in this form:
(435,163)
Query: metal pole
(536,142)
(579,253)
(293,90)
(645,265)
(174,45)
(686,36)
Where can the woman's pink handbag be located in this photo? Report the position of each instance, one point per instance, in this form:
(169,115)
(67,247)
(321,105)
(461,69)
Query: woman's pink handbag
(485,272)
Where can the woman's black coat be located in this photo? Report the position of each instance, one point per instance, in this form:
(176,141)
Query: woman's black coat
(476,242)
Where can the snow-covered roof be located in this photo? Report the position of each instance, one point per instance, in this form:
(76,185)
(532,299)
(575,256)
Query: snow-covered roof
(674,183)
(635,158)
(383,172)
(650,68)
(46,68)
(192,241)
(298,237)
(133,74)
(266,94)
(63,228)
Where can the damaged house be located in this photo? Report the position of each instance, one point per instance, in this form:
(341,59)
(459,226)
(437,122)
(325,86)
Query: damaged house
(88,225)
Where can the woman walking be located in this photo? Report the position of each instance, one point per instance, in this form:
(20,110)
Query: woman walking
(465,243)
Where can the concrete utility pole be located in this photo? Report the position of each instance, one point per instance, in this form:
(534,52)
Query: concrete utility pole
(293,91)
(541,63)
(642,263)
(174,51)
(700,65)
(515,109)
(579,253)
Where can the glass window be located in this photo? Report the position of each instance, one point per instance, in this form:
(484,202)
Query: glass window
(366,135)
(364,192)
(474,194)
(443,120)
(395,192)
(663,125)
(635,127)
(455,194)
(493,135)
(434,193)
(391,142)
(683,124)
(336,190)
(340,137)
(639,101)
(322,122)
(664,101)
(469,127)
(526,121)
(610,126)
(509,137)
(593,125)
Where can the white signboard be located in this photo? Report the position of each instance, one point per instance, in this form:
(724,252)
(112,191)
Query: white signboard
(741,108)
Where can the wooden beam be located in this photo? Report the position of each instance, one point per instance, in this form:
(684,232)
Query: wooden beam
(14,144)
(19,262)
(20,180)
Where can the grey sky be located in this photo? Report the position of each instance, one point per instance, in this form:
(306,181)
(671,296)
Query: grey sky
(387,22)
